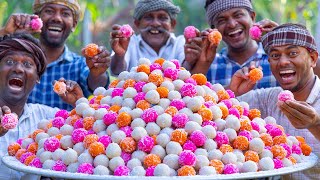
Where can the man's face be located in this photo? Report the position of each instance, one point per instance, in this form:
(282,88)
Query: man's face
(234,25)
(18,75)
(155,28)
(58,23)
(292,66)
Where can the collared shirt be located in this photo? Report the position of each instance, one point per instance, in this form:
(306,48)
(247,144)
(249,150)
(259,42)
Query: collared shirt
(32,114)
(265,100)
(222,68)
(70,66)
(138,48)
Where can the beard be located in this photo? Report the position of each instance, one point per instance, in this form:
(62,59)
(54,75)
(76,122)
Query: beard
(54,42)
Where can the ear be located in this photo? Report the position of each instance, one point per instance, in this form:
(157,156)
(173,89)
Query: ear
(252,15)
(173,24)
(136,23)
(314,58)
(75,22)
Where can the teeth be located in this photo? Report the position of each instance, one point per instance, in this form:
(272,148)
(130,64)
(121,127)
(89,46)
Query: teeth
(154,31)
(287,72)
(55,28)
(235,32)
(17,79)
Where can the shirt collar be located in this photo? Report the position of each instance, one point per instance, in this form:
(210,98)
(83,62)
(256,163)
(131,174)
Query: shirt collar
(26,113)
(258,55)
(315,92)
(66,55)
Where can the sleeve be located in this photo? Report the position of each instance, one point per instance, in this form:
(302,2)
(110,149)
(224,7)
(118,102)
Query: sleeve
(130,56)
(180,42)
(83,80)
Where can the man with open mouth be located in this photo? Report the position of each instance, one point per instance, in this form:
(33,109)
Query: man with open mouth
(233,19)
(156,21)
(292,55)
(60,18)
(22,63)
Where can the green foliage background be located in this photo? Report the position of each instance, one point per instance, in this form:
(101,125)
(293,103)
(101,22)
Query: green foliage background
(104,13)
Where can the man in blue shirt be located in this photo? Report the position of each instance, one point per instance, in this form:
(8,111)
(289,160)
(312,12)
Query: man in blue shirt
(233,19)
(60,18)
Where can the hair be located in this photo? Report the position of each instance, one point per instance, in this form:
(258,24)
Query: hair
(27,43)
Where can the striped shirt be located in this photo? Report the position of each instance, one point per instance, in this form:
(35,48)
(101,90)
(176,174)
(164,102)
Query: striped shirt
(32,114)
(265,100)
(138,48)
(70,66)
(223,68)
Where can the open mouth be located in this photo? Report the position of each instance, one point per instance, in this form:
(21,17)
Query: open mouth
(16,83)
(235,33)
(287,75)
(154,31)
(55,29)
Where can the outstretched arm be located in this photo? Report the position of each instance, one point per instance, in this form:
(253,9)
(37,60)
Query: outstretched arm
(119,45)
(98,66)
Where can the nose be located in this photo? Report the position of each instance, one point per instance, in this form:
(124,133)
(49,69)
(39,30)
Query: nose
(57,17)
(156,22)
(18,68)
(232,23)
(284,61)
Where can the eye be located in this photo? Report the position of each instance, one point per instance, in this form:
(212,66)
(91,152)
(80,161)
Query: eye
(274,56)
(48,11)
(9,62)
(27,64)
(239,15)
(293,53)
(164,18)
(221,21)
(147,17)
(66,14)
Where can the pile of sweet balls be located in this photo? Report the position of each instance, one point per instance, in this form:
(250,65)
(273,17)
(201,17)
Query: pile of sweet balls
(159,120)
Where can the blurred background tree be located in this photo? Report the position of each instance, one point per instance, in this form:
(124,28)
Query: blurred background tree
(99,15)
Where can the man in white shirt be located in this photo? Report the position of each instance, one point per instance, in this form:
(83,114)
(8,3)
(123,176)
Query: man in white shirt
(22,62)
(156,21)
(292,56)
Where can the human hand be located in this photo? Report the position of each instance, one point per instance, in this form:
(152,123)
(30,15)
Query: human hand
(192,49)
(266,25)
(118,43)
(99,63)
(202,52)
(240,81)
(19,23)
(300,114)
(208,49)
(73,91)
(3,110)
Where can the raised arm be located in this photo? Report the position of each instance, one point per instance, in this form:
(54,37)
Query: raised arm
(18,23)
(199,53)
(98,66)
(119,45)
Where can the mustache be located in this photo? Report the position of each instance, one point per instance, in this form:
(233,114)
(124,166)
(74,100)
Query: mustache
(160,29)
